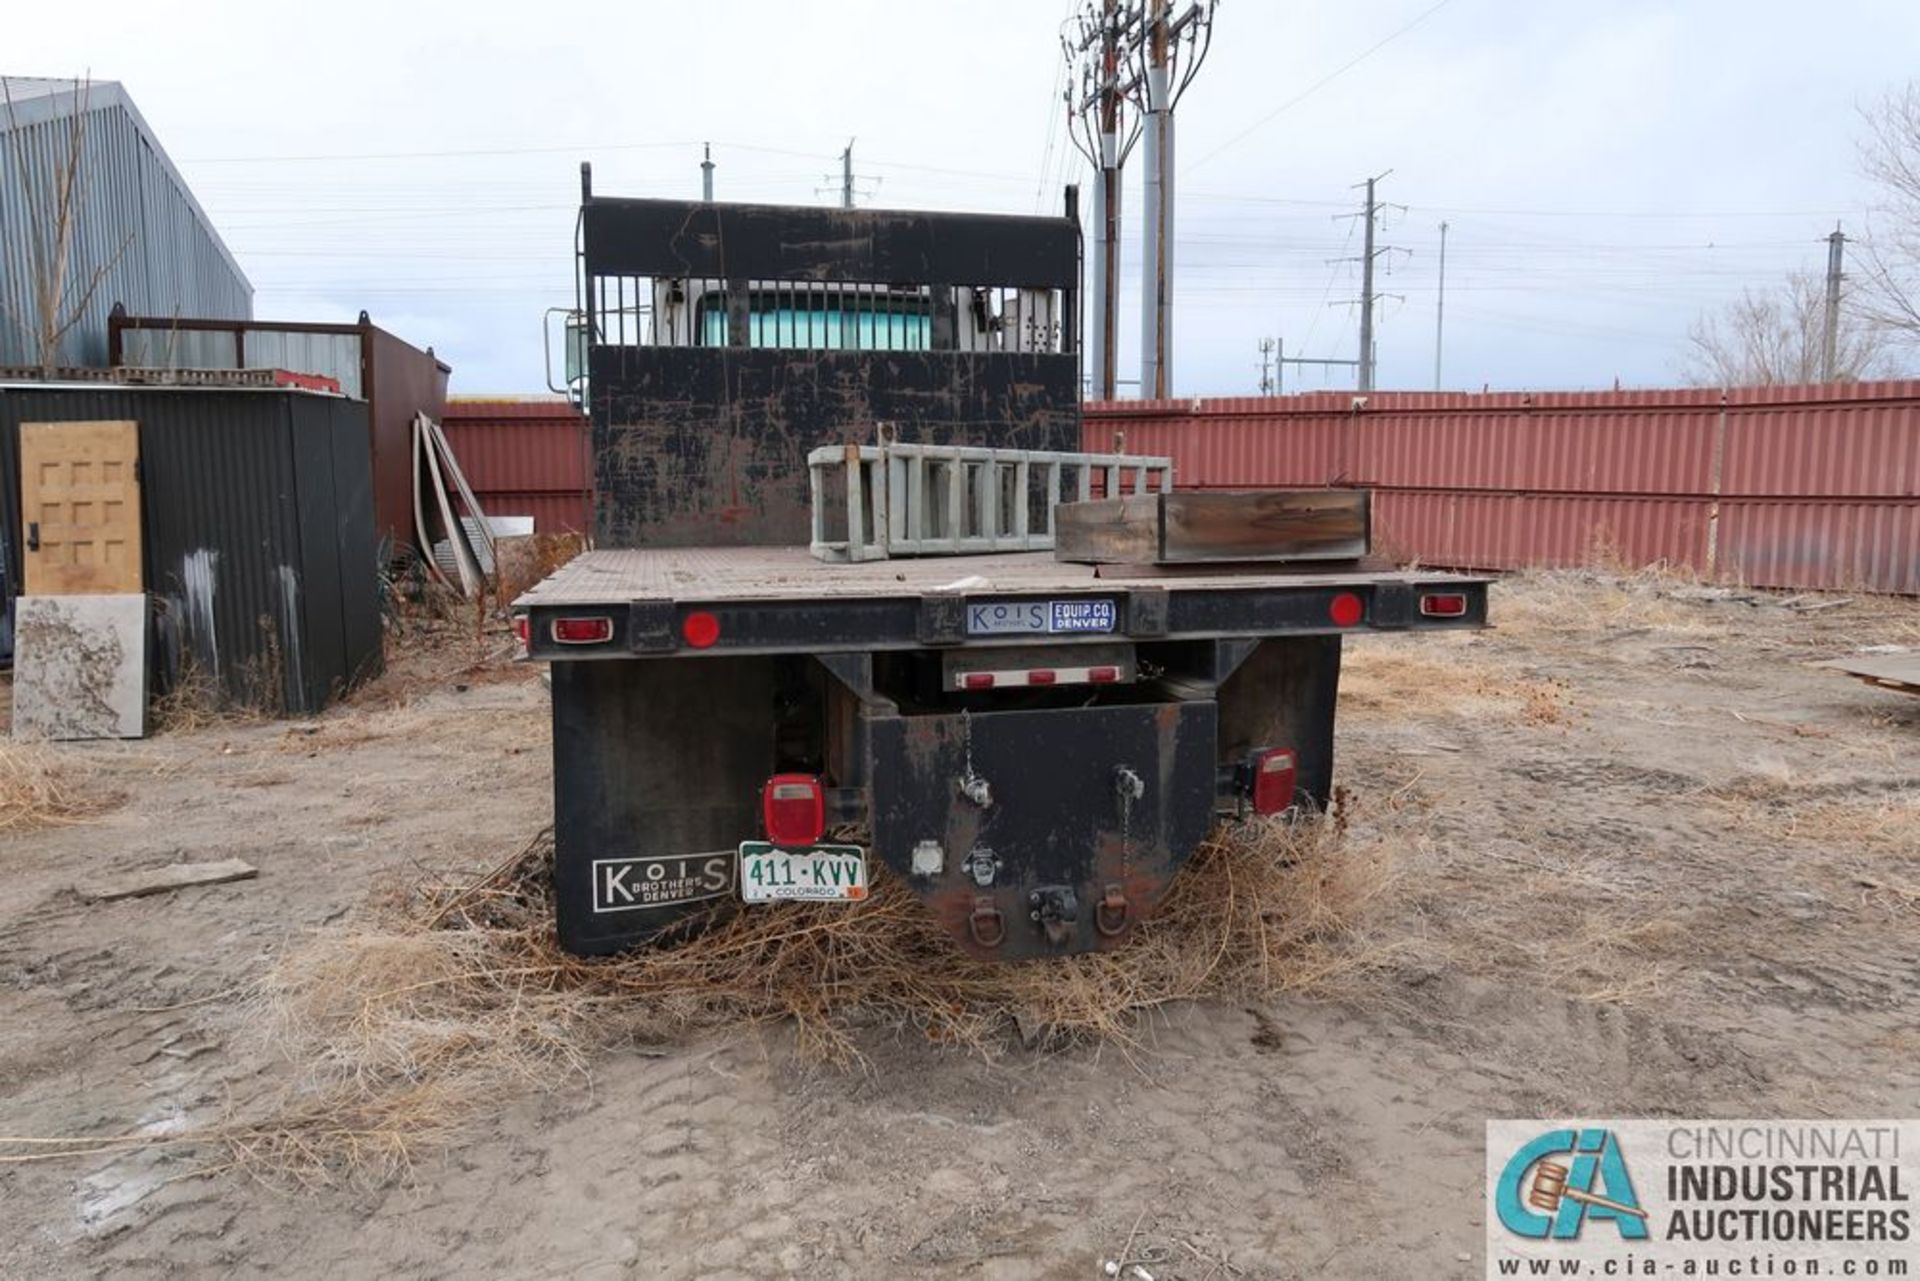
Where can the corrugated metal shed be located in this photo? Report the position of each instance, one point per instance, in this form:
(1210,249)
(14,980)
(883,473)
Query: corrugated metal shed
(136,220)
(396,379)
(257,523)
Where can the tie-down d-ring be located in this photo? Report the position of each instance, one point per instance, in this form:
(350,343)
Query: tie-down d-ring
(987,925)
(1111,913)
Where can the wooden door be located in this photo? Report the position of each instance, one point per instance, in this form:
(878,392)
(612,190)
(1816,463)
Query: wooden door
(80,508)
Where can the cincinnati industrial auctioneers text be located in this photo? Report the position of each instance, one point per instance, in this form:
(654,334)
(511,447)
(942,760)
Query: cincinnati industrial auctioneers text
(1787,1184)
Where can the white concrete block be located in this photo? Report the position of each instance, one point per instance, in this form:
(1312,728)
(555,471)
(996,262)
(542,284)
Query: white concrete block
(80,667)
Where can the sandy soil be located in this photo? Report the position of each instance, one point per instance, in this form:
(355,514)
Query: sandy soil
(1660,866)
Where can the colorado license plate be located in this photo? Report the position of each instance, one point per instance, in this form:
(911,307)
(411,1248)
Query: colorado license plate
(769,874)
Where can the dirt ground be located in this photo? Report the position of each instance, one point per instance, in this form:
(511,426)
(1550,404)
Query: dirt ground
(1651,863)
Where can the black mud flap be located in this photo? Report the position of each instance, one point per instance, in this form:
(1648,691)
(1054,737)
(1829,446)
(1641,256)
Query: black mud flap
(1039,833)
(656,775)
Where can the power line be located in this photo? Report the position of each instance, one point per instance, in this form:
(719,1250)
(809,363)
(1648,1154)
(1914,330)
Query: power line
(1319,84)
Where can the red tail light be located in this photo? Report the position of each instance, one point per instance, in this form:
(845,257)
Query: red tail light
(1449,606)
(1103,675)
(1346,609)
(582,631)
(1040,676)
(979,680)
(1274,773)
(700,629)
(522,634)
(795,807)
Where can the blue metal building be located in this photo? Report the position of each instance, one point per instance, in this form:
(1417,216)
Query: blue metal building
(134,224)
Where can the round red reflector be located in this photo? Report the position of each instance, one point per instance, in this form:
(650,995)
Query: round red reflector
(700,629)
(1346,609)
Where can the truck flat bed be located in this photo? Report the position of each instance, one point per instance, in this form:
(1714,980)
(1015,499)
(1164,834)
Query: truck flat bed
(772,600)
(717,575)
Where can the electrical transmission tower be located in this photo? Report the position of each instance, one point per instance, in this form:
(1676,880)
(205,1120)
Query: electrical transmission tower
(1266,366)
(845,186)
(1369,297)
(1136,54)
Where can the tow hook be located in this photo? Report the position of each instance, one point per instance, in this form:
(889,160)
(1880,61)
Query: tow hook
(988,927)
(1111,912)
(1056,908)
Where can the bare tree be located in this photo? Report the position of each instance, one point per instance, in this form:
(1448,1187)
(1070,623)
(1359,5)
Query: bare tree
(53,192)
(1890,155)
(1778,337)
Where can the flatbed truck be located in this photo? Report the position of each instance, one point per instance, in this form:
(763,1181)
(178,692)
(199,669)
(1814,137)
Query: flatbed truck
(1033,747)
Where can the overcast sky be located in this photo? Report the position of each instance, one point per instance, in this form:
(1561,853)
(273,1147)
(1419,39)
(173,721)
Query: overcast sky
(1607,168)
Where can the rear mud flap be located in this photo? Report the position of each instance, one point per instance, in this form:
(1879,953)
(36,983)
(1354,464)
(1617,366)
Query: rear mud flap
(1038,833)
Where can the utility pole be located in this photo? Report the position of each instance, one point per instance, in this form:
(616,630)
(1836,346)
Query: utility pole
(846,176)
(1133,53)
(1369,298)
(1440,308)
(1156,257)
(1266,366)
(1366,298)
(706,174)
(1836,262)
(1099,107)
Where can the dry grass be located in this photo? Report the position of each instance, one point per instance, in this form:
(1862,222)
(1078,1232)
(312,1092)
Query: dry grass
(1396,677)
(195,701)
(448,998)
(40,789)
(1560,602)
(1261,908)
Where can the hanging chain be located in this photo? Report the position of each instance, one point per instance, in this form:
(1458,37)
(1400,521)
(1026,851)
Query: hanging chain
(1130,789)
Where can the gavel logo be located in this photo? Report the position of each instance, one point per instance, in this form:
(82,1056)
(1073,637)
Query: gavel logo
(1550,1188)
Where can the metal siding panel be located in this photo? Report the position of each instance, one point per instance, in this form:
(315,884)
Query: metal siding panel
(545,453)
(356,542)
(1227,448)
(1510,480)
(1837,546)
(406,381)
(1514,531)
(310,603)
(553,512)
(172,263)
(10,549)
(179,348)
(1858,449)
(335,356)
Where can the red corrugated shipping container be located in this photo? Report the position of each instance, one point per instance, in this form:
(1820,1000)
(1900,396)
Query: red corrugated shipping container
(1803,487)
